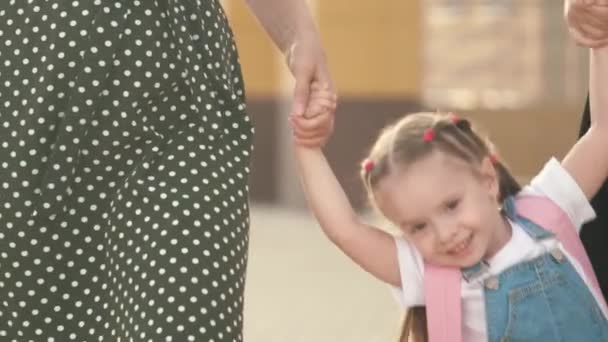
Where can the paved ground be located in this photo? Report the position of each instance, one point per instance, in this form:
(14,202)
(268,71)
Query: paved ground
(302,289)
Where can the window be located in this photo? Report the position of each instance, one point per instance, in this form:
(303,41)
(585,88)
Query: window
(499,54)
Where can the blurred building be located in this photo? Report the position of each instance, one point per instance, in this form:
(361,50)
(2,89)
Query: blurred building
(509,64)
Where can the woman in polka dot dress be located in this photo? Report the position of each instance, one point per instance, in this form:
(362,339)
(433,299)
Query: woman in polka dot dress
(124,151)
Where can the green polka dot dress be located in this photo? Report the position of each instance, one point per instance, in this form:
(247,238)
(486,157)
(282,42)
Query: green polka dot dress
(124,151)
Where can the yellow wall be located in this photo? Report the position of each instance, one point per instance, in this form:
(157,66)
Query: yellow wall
(526,139)
(372,47)
(257,53)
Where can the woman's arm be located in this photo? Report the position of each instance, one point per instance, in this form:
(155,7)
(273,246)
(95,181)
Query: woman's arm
(290,25)
(284,20)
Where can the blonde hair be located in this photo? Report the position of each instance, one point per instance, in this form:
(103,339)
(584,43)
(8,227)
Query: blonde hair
(413,327)
(417,135)
(412,138)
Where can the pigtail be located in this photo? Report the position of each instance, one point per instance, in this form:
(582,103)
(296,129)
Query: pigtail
(507,184)
(471,142)
(414,326)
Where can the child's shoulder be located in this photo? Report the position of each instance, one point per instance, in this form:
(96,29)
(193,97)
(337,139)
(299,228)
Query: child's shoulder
(555,183)
(411,268)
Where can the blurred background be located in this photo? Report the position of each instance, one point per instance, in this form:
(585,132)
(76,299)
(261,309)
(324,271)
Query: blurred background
(507,64)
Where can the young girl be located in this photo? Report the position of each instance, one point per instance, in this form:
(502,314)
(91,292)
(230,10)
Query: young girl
(435,178)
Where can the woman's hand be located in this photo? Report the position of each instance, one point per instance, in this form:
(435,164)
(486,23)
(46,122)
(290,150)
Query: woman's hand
(290,25)
(313,88)
(306,61)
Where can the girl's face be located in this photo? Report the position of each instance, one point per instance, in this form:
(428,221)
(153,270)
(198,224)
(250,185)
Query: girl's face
(447,208)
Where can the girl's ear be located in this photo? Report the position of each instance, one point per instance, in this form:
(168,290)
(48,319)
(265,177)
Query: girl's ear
(490,177)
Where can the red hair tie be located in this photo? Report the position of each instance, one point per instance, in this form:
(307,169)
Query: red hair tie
(493,158)
(429,135)
(367,165)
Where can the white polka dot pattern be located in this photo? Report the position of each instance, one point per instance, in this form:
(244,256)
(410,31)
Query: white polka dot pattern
(124,151)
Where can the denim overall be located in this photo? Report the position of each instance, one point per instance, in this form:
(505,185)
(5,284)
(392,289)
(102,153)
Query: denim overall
(543,299)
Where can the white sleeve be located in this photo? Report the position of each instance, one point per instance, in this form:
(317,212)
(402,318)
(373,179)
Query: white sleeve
(558,185)
(411,270)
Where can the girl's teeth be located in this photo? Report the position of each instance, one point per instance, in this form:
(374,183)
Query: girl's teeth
(461,246)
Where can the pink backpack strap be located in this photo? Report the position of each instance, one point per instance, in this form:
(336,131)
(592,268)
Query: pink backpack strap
(550,216)
(442,291)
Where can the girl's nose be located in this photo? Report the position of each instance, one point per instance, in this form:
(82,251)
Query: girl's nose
(446,233)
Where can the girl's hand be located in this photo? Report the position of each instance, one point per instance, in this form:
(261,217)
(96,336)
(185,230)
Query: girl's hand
(315,126)
(587,21)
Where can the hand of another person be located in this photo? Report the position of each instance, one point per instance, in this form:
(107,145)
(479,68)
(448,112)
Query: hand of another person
(306,61)
(587,21)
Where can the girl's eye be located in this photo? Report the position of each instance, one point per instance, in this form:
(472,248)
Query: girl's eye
(452,204)
(418,227)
